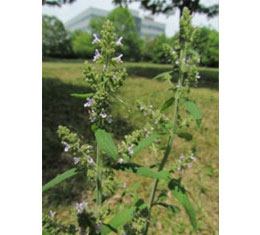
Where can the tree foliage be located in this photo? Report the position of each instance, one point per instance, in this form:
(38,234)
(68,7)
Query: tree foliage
(55,40)
(81,44)
(207,45)
(56,2)
(166,6)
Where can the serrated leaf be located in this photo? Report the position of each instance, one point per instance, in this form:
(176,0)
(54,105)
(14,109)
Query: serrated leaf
(82,96)
(192,108)
(185,135)
(141,170)
(171,208)
(118,220)
(180,194)
(106,143)
(59,178)
(144,143)
(167,104)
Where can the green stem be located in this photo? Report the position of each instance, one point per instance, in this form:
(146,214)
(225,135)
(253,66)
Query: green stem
(169,144)
(99,181)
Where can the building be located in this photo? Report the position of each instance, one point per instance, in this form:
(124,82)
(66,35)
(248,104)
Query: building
(145,26)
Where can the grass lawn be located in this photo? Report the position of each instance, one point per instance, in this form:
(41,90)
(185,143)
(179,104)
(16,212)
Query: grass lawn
(61,78)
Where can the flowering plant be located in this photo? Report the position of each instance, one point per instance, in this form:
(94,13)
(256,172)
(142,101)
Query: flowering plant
(100,162)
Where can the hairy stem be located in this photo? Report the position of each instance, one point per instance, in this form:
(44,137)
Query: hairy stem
(99,181)
(169,144)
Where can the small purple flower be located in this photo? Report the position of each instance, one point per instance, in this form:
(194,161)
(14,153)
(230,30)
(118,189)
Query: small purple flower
(96,39)
(76,160)
(67,147)
(118,59)
(118,42)
(131,150)
(89,103)
(80,206)
(121,160)
(90,160)
(97,55)
(52,213)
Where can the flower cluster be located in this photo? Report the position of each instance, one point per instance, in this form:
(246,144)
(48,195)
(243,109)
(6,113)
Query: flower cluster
(184,60)
(107,82)
(184,162)
(81,152)
(126,147)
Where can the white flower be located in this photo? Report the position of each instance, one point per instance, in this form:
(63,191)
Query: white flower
(76,160)
(90,160)
(90,147)
(97,55)
(96,39)
(67,147)
(197,75)
(114,77)
(118,42)
(121,160)
(156,122)
(193,158)
(181,156)
(131,150)
(89,103)
(173,52)
(104,68)
(124,185)
(118,59)
(177,62)
(80,206)
(109,119)
(103,114)
(52,213)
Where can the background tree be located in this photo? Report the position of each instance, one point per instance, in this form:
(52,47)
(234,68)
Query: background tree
(166,6)
(81,44)
(56,2)
(207,45)
(55,39)
(126,27)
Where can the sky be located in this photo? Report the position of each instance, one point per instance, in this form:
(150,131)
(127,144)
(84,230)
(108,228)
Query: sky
(68,11)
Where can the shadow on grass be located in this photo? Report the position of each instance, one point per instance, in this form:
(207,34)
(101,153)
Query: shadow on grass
(59,108)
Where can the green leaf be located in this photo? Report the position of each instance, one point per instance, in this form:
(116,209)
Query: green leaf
(171,208)
(180,194)
(59,178)
(185,135)
(192,108)
(141,170)
(118,220)
(82,96)
(106,143)
(165,76)
(144,143)
(167,104)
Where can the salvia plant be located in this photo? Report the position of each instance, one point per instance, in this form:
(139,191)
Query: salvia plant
(100,162)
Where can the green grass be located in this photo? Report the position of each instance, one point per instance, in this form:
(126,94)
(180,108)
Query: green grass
(61,78)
